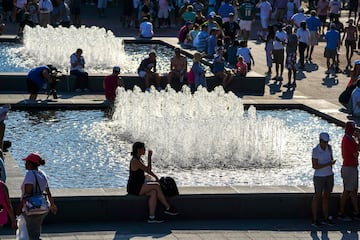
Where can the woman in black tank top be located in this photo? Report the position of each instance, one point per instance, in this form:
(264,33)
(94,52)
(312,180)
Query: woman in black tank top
(138,186)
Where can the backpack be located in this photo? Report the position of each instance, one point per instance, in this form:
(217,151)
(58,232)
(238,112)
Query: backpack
(168,186)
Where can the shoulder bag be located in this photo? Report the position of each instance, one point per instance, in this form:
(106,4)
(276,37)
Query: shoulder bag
(37,203)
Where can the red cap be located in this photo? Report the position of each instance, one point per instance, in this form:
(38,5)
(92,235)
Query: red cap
(33,157)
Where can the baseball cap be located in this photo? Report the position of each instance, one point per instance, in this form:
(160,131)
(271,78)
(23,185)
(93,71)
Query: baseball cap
(212,15)
(357,62)
(324,136)
(116,69)
(231,14)
(34,158)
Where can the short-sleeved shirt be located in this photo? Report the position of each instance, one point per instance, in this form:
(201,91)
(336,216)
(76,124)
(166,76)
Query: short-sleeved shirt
(247,11)
(335,6)
(281,35)
(79,67)
(35,75)
(147,64)
(245,53)
(110,84)
(348,148)
(265,9)
(322,7)
(30,178)
(332,39)
(218,66)
(323,157)
(313,23)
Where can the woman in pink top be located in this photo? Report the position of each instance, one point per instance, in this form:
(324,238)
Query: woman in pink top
(6,207)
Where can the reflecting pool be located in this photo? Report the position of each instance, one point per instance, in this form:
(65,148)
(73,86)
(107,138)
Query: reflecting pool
(84,150)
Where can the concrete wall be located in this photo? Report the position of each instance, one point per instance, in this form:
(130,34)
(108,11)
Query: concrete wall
(190,206)
(253,84)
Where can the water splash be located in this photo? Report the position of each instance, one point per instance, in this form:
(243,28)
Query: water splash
(101,48)
(204,130)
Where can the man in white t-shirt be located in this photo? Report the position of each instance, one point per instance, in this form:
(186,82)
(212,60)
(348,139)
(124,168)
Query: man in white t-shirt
(265,13)
(146,28)
(322,162)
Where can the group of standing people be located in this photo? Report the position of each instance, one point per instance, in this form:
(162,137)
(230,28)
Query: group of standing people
(322,162)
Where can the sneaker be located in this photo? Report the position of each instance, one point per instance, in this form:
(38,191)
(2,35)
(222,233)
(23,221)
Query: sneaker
(171,211)
(344,218)
(78,90)
(316,223)
(154,220)
(275,78)
(328,222)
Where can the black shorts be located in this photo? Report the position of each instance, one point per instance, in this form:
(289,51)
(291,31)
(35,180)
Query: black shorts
(351,43)
(32,87)
(322,19)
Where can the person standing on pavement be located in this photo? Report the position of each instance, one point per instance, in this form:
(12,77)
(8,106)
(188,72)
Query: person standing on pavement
(313,23)
(303,35)
(332,38)
(349,171)
(351,37)
(322,162)
(278,52)
(291,47)
(110,83)
(46,8)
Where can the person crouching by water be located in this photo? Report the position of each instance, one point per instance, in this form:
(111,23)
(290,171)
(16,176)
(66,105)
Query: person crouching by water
(137,185)
(34,178)
(322,162)
(38,78)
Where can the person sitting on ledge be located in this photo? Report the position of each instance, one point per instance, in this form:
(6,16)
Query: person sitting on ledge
(146,28)
(138,185)
(77,65)
(147,71)
(178,68)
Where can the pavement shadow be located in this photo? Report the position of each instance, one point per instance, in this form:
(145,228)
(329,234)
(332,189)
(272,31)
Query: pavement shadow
(311,67)
(288,94)
(300,75)
(275,87)
(330,81)
(319,235)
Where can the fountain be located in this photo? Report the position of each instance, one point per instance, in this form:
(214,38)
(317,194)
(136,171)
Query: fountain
(205,139)
(102,50)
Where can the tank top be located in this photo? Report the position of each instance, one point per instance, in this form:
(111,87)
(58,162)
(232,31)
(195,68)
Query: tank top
(135,182)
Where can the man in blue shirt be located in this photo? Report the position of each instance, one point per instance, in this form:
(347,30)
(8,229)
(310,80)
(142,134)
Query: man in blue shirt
(332,38)
(39,78)
(313,23)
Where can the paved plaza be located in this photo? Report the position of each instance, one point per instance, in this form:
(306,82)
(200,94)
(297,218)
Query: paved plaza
(314,89)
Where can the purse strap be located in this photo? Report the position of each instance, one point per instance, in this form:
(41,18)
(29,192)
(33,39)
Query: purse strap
(37,187)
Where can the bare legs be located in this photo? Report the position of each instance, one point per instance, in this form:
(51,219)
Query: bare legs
(155,193)
(324,196)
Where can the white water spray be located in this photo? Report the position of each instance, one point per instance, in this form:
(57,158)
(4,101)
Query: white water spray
(203,130)
(101,49)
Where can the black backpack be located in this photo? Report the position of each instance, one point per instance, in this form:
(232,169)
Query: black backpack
(168,186)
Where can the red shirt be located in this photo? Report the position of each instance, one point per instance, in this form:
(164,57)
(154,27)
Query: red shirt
(110,85)
(348,149)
